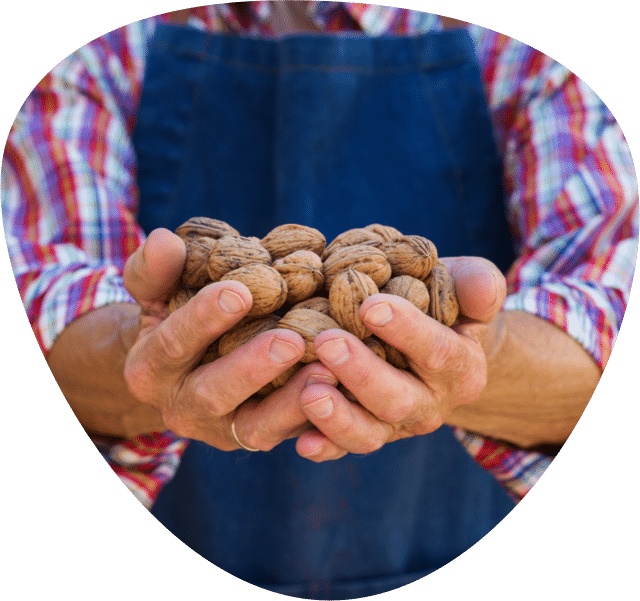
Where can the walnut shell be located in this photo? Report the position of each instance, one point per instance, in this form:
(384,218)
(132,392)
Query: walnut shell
(197,227)
(212,353)
(347,393)
(244,331)
(181,297)
(411,255)
(308,324)
(375,345)
(302,271)
(351,238)
(348,291)
(363,258)
(317,303)
(285,239)
(232,252)
(394,356)
(279,381)
(410,288)
(387,232)
(444,305)
(284,377)
(268,289)
(195,273)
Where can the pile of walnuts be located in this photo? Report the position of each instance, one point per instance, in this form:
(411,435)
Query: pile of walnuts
(300,283)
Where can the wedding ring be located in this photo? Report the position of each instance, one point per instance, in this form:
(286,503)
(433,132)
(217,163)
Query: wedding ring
(235,437)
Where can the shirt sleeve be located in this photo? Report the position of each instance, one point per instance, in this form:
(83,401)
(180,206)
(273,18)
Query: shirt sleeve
(572,195)
(70,197)
(572,204)
(69,203)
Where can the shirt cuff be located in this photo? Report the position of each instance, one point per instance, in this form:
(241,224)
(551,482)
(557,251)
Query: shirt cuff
(144,464)
(70,294)
(515,469)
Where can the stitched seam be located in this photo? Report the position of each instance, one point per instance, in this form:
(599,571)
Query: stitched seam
(313,67)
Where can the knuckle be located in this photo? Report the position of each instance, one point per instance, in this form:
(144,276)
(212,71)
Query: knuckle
(137,376)
(370,445)
(441,352)
(200,312)
(256,440)
(427,425)
(169,342)
(399,407)
(214,403)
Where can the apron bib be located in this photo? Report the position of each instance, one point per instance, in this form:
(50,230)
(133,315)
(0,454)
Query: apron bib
(334,132)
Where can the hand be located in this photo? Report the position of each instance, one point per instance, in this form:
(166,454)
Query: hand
(449,368)
(202,402)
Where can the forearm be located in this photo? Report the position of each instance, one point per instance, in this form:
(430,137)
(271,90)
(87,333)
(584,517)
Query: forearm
(539,383)
(87,361)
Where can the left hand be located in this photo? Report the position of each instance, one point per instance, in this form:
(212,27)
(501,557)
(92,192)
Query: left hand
(449,368)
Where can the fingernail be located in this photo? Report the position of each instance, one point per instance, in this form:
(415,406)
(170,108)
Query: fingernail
(322,407)
(379,314)
(494,296)
(320,379)
(283,352)
(310,447)
(334,351)
(230,302)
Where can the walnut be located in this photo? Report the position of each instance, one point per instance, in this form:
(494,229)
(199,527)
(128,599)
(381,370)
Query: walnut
(351,238)
(198,227)
(244,331)
(308,323)
(394,356)
(387,232)
(285,239)
(279,381)
(363,258)
(444,305)
(411,255)
(195,273)
(302,271)
(268,289)
(375,345)
(348,291)
(410,288)
(284,377)
(317,303)
(181,297)
(232,252)
(211,354)
(347,393)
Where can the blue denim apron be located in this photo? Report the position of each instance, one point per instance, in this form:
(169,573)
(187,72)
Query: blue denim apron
(334,132)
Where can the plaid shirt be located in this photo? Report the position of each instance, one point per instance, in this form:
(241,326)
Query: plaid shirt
(69,199)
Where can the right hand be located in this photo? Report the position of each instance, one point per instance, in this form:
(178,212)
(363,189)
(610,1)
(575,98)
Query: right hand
(202,402)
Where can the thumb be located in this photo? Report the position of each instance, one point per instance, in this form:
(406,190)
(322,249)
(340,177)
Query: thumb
(154,269)
(480,286)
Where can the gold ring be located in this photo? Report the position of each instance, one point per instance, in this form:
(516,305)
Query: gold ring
(235,437)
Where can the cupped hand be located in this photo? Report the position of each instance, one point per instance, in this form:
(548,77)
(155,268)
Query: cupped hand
(201,402)
(448,368)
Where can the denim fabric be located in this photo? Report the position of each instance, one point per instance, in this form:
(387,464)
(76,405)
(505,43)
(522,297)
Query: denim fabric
(333,132)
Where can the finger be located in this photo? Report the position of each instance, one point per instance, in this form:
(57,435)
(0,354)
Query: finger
(316,447)
(450,362)
(346,424)
(218,388)
(480,286)
(154,269)
(390,394)
(265,423)
(168,349)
